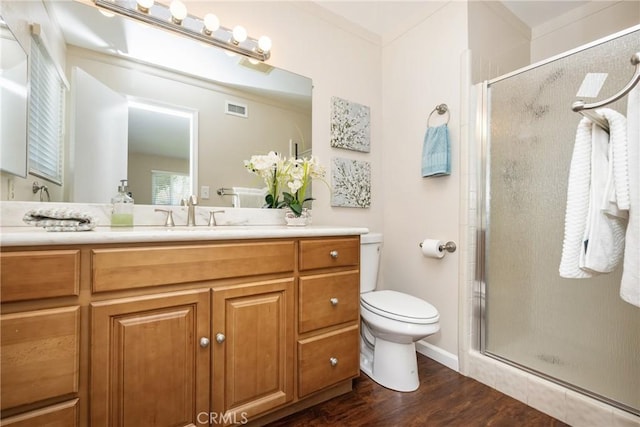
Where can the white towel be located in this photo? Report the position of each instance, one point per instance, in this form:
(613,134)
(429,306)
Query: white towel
(60,219)
(247,197)
(595,219)
(630,284)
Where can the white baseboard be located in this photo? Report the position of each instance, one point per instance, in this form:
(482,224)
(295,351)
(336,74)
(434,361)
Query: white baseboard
(439,355)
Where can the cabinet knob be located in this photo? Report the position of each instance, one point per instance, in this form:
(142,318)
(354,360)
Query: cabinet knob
(334,301)
(220,338)
(334,254)
(333,361)
(204,342)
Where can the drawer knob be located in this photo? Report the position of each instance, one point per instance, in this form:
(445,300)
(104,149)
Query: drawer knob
(334,254)
(334,301)
(333,361)
(220,338)
(204,342)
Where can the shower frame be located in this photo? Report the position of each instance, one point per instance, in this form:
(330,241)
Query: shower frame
(483,221)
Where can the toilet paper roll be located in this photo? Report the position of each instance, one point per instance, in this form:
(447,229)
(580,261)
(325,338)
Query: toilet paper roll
(431,248)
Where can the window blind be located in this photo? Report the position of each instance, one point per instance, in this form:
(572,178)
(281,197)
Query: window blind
(168,188)
(46,115)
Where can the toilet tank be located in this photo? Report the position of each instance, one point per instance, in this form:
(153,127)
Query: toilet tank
(370,247)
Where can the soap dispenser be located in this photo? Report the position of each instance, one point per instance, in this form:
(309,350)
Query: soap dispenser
(122,211)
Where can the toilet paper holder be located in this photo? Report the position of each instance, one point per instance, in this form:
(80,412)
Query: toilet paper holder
(450,246)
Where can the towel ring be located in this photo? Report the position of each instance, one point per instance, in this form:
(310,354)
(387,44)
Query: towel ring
(440,109)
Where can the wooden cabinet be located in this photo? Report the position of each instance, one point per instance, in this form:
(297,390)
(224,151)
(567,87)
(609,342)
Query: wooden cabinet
(150,360)
(40,344)
(40,355)
(180,334)
(253,347)
(329,313)
(60,415)
(39,274)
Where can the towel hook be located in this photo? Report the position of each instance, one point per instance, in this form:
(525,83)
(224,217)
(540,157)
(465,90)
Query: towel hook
(440,109)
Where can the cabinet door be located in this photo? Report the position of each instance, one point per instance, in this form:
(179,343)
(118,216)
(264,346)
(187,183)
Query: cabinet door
(40,355)
(61,415)
(150,360)
(253,348)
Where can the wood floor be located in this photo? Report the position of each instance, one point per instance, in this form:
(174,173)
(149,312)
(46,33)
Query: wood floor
(445,398)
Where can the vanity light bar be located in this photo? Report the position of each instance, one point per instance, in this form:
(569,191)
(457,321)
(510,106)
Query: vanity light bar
(160,15)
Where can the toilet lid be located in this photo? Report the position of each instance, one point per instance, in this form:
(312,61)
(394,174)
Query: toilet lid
(400,306)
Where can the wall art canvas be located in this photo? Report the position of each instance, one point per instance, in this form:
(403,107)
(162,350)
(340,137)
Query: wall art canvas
(350,125)
(350,183)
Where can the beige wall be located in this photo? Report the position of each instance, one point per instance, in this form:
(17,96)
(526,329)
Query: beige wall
(582,25)
(416,208)
(498,39)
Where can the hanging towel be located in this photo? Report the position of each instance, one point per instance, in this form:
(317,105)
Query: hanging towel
(247,197)
(630,283)
(597,199)
(60,219)
(436,152)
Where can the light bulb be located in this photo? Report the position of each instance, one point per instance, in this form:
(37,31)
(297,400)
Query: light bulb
(264,44)
(211,23)
(144,5)
(178,11)
(239,34)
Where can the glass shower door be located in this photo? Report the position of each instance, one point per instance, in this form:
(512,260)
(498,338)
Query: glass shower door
(576,331)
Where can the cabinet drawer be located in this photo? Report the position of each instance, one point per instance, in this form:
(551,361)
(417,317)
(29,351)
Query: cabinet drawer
(315,356)
(126,268)
(61,415)
(323,253)
(40,355)
(39,274)
(328,299)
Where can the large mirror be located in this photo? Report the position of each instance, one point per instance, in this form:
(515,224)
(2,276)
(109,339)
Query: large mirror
(169,114)
(13,103)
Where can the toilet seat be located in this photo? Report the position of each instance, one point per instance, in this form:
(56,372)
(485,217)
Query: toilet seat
(400,306)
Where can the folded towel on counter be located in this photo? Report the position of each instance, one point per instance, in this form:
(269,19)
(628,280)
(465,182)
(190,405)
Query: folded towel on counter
(436,152)
(630,283)
(597,199)
(60,219)
(247,197)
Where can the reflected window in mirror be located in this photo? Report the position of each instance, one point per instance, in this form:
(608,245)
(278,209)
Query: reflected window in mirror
(169,188)
(46,115)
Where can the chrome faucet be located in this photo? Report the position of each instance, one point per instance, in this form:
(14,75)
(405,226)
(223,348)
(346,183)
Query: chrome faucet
(191,212)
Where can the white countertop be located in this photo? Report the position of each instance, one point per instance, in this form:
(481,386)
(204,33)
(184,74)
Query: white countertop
(30,236)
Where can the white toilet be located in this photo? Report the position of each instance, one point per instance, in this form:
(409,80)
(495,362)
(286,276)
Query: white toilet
(391,324)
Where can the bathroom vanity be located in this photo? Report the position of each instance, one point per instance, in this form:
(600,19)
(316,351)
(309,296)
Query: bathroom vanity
(176,327)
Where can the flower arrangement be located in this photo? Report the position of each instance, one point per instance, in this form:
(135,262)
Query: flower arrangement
(279,173)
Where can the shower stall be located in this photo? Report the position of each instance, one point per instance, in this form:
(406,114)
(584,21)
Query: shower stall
(577,332)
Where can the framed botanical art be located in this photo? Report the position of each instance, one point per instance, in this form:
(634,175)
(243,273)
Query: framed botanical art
(350,125)
(350,183)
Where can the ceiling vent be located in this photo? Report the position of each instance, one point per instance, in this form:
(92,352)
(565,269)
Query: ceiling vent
(236,109)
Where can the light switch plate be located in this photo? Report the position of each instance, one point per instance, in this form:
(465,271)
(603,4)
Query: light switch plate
(204,192)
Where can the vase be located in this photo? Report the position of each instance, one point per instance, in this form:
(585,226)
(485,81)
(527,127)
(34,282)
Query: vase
(297,221)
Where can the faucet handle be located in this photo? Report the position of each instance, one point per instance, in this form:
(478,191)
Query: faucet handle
(193,200)
(212,218)
(169,221)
